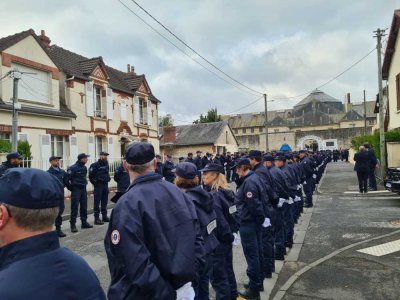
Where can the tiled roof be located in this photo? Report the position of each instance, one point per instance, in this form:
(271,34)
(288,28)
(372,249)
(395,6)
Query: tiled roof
(352,115)
(359,108)
(8,41)
(318,96)
(197,134)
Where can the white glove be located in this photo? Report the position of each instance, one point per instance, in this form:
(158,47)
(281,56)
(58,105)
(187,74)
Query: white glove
(317,168)
(236,241)
(290,201)
(305,182)
(267,223)
(314,176)
(281,201)
(185,292)
(298,186)
(297,199)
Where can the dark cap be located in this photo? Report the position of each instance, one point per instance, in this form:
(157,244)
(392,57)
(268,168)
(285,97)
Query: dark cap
(255,153)
(186,170)
(288,156)
(140,153)
(268,158)
(169,156)
(30,188)
(181,159)
(243,162)
(280,157)
(54,157)
(198,151)
(83,155)
(104,153)
(302,151)
(190,153)
(213,167)
(13,155)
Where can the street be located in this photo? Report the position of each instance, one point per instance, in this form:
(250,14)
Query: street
(324,262)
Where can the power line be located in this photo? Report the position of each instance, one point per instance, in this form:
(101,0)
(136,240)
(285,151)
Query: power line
(249,90)
(243,107)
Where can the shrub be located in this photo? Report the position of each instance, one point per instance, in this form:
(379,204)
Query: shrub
(374,141)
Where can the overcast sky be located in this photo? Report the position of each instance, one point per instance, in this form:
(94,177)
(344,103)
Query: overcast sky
(280,47)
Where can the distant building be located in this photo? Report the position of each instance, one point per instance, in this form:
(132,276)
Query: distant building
(207,137)
(319,121)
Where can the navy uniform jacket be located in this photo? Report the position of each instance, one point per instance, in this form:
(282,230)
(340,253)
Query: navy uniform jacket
(167,171)
(291,180)
(295,171)
(264,174)
(250,200)
(307,166)
(198,161)
(189,160)
(122,179)
(99,172)
(152,243)
(159,168)
(363,163)
(204,204)
(60,174)
(5,166)
(76,176)
(37,268)
(226,202)
(281,182)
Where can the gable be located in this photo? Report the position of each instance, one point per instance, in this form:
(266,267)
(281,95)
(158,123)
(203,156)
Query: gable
(142,88)
(99,73)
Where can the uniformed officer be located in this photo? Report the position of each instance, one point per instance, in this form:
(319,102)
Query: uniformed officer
(13,160)
(223,279)
(99,176)
(121,177)
(147,256)
(32,264)
(76,183)
(167,169)
(189,158)
(60,174)
(187,181)
(199,163)
(181,159)
(159,167)
(308,172)
(251,216)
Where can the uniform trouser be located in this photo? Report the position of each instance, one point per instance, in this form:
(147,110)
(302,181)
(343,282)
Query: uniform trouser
(100,194)
(268,250)
(372,179)
(231,272)
(58,221)
(308,190)
(279,231)
(201,287)
(78,200)
(219,275)
(250,234)
(228,174)
(288,210)
(362,180)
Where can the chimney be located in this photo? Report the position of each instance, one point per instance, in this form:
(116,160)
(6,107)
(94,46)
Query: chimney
(128,67)
(44,39)
(169,134)
(133,70)
(348,98)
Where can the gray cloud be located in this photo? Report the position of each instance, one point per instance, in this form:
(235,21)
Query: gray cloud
(282,47)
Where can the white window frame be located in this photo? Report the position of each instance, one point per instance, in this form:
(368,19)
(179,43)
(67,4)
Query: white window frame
(98,112)
(64,140)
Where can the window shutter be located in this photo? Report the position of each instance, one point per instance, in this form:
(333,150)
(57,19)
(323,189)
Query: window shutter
(89,99)
(73,149)
(136,110)
(109,100)
(110,149)
(149,114)
(123,110)
(91,148)
(45,150)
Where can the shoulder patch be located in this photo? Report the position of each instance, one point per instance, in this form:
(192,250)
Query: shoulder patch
(249,195)
(115,237)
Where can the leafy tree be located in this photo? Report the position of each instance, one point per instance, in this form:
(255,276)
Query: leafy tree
(23,148)
(374,141)
(211,117)
(166,121)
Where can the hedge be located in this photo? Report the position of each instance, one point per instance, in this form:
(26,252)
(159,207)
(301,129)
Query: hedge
(374,141)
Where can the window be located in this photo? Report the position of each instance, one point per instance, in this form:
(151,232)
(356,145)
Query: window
(252,130)
(100,145)
(244,130)
(5,136)
(371,122)
(98,112)
(352,125)
(330,144)
(261,129)
(141,111)
(236,131)
(60,145)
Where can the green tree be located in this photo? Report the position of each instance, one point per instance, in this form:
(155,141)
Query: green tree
(211,117)
(166,121)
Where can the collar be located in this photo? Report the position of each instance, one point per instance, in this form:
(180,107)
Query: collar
(28,247)
(57,169)
(257,166)
(152,176)
(248,174)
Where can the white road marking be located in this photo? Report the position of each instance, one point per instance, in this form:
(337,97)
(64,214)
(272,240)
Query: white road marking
(382,249)
(370,192)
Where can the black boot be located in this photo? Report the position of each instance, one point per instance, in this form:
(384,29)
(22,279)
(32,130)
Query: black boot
(86,225)
(246,287)
(73,228)
(97,221)
(279,256)
(106,219)
(289,243)
(250,294)
(60,233)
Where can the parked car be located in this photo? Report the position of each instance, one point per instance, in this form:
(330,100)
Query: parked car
(392,181)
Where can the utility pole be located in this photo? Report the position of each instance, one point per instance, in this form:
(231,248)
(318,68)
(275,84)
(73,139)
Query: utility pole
(17,76)
(379,33)
(266,124)
(365,115)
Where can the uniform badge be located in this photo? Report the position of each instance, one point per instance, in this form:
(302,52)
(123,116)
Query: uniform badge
(211,226)
(249,195)
(115,237)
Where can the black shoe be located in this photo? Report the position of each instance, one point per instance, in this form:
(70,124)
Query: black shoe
(60,233)
(73,228)
(279,256)
(250,294)
(289,244)
(86,225)
(106,219)
(267,275)
(246,286)
(308,205)
(97,221)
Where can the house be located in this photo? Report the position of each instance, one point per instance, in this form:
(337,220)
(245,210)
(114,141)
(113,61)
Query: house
(71,103)
(206,137)
(318,121)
